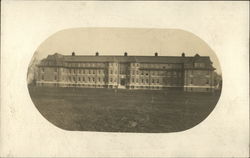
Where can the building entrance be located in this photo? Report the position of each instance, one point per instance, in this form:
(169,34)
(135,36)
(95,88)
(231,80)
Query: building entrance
(122,83)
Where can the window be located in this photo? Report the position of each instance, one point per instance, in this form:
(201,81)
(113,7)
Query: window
(191,81)
(74,71)
(74,79)
(111,72)
(99,79)
(153,81)
(146,80)
(207,82)
(93,71)
(137,80)
(93,79)
(79,79)
(197,65)
(55,77)
(42,77)
(89,79)
(137,72)
(133,80)
(111,80)
(42,69)
(83,79)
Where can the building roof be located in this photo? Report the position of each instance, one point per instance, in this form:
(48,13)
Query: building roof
(186,60)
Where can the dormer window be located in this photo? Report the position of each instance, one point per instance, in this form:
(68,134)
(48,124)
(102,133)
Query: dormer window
(199,65)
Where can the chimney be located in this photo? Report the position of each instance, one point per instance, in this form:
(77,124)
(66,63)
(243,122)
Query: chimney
(156,54)
(73,54)
(97,54)
(183,54)
(125,54)
(197,55)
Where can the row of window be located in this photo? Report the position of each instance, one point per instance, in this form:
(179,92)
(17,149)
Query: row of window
(199,72)
(137,72)
(85,71)
(163,66)
(168,73)
(90,71)
(144,80)
(191,81)
(85,64)
(133,72)
(86,79)
(199,65)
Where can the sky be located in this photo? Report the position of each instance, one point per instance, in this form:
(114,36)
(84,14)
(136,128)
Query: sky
(116,41)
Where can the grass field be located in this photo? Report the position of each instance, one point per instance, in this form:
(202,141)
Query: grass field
(122,111)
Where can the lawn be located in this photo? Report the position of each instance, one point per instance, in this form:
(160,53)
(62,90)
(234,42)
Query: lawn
(86,109)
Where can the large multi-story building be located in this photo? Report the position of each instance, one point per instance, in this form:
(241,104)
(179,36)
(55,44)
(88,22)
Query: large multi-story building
(189,73)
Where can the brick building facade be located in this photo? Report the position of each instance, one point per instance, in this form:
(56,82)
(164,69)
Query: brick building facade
(188,73)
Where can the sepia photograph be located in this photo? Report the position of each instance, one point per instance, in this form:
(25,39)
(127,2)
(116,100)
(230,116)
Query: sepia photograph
(124,79)
(166,80)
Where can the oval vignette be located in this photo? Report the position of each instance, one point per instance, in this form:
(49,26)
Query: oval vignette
(124,80)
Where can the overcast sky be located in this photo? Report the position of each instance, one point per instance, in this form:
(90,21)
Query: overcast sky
(110,41)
